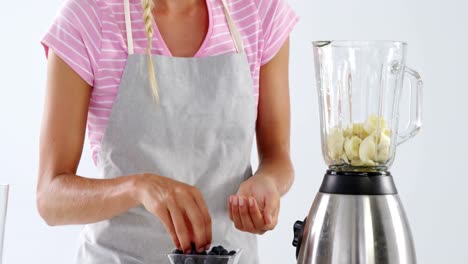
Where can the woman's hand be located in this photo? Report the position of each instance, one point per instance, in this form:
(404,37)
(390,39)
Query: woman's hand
(180,207)
(256,205)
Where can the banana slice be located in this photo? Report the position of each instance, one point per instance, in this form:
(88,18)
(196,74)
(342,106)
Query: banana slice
(359,131)
(383,148)
(387,132)
(367,149)
(372,122)
(344,158)
(351,147)
(348,131)
(335,140)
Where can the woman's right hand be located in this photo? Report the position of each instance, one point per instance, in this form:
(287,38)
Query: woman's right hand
(180,207)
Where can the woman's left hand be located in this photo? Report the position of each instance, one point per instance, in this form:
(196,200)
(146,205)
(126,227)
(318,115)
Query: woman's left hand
(256,205)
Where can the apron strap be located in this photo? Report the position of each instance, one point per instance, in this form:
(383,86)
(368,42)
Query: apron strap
(233,29)
(128,26)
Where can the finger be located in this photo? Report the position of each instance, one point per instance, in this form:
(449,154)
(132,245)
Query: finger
(231,198)
(268,220)
(206,218)
(235,214)
(166,220)
(180,228)
(270,213)
(255,214)
(197,224)
(245,216)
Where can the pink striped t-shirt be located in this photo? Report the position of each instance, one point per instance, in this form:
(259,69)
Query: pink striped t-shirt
(90,36)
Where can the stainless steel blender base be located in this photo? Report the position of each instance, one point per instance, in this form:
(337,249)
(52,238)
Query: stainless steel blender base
(356,229)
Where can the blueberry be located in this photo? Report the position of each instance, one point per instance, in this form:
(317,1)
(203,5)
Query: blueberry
(193,251)
(177,251)
(216,250)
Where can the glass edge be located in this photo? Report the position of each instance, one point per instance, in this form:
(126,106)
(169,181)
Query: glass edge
(321,43)
(238,251)
(204,256)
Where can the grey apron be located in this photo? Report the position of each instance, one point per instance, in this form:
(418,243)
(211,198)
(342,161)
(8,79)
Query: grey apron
(200,133)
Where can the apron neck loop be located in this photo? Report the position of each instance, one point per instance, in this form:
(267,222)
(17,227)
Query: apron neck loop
(128,26)
(232,28)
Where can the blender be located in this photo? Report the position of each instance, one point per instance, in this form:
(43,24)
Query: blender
(357,216)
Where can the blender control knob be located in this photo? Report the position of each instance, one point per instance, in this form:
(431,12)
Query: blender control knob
(298,234)
(298,229)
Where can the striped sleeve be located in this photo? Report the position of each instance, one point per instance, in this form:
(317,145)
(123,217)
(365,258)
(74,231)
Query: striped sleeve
(278,20)
(75,36)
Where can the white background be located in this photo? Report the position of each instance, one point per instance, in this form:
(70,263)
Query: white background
(429,170)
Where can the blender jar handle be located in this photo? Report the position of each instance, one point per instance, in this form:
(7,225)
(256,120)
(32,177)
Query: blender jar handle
(415,123)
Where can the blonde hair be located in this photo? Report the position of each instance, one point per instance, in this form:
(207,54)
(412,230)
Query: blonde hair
(148,20)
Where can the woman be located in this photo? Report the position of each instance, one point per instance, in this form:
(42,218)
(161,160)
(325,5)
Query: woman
(172,93)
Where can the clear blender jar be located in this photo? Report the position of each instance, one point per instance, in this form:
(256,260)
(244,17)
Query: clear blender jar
(360,86)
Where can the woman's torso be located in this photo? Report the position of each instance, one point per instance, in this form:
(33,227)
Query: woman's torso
(101,25)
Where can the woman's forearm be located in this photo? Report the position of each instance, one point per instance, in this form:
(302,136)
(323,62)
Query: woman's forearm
(71,199)
(273,121)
